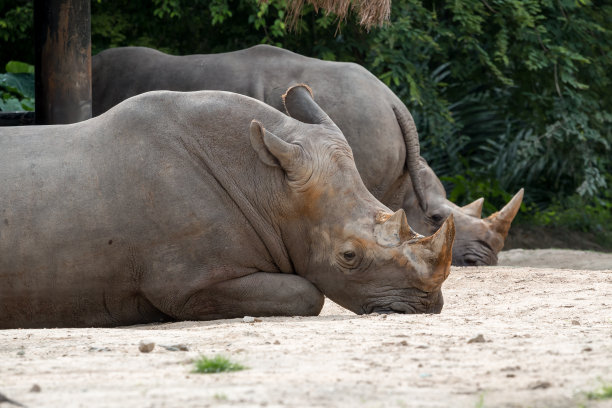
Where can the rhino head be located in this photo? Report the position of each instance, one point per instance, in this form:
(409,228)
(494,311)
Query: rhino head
(338,236)
(478,241)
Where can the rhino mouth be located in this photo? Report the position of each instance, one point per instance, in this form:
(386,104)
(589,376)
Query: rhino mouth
(477,253)
(432,304)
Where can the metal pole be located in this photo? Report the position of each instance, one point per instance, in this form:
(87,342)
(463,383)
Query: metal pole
(62,44)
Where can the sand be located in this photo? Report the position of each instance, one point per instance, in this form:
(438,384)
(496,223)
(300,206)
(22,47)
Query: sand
(545,341)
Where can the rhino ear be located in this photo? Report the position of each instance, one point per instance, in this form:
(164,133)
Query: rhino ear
(299,104)
(271,149)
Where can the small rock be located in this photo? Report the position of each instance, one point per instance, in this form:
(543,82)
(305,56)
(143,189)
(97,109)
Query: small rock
(575,322)
(175,347)
(21,353)
(510,375)
(403,343)
(540,385)
(146,346)
(276,342)
(587,349)
(248,319)
(478,339)
(35,388)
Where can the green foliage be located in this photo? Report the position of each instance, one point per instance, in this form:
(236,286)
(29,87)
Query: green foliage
(217,364)
(17,87)
(16,30)
(506,93)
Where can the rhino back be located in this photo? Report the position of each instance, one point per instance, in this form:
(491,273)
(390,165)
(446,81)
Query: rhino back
(102,220)
(355,100)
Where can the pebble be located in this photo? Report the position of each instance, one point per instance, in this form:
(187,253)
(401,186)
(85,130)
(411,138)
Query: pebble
(146,346)
(248,319)
(540,385)
(175,347)
(35,388)
(478,339)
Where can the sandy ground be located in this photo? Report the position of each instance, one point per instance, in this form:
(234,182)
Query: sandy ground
(547,341)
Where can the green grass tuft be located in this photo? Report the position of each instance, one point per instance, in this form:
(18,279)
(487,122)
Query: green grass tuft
(604,392)
(217,364)
(220,397)
(480,402)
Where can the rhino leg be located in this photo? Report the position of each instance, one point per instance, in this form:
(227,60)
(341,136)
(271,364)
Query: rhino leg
(258,294)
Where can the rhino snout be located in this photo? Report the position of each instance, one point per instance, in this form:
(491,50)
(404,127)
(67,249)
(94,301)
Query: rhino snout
(432,303)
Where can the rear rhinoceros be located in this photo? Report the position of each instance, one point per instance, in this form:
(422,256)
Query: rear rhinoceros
(169,206)
(377,125)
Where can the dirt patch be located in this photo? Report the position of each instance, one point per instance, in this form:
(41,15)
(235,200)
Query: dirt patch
(507,337)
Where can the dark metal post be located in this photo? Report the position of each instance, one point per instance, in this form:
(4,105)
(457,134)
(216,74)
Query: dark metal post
(62,44)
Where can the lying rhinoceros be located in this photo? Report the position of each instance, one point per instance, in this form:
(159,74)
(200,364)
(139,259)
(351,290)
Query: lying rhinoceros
(169,207)
(377,125)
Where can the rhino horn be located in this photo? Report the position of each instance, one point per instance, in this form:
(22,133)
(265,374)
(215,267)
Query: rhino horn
(474,208)
(436,251)
(393,229)
(501,220)
(299,104)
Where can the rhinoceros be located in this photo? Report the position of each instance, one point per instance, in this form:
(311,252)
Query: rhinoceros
(377,125)
(201,205)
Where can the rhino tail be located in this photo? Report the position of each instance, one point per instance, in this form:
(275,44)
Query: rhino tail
(413,151)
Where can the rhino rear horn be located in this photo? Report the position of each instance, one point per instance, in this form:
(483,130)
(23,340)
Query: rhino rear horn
(394,230)
(474,208)
(501,220)
(299,104)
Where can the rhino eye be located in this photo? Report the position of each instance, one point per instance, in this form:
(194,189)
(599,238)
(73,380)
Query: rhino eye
(349,255)
(437,218)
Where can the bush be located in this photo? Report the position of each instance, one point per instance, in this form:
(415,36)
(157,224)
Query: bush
(17,87)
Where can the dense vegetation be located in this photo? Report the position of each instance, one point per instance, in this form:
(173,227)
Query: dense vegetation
(506,93)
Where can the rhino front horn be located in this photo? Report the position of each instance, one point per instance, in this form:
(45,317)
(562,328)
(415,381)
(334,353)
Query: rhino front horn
(473,209)
(436,253)
(501,220)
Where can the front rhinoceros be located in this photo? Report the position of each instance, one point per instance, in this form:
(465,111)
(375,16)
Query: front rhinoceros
(377,125)
(170,207)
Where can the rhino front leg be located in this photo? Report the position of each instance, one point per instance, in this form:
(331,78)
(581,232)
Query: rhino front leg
(258,294)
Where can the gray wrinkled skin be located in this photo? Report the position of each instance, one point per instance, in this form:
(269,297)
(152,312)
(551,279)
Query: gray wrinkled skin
(367,112)
(175,206)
